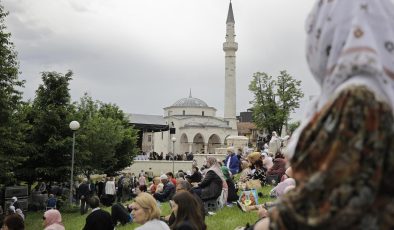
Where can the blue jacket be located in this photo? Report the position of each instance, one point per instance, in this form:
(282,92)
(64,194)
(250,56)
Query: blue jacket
(234,163)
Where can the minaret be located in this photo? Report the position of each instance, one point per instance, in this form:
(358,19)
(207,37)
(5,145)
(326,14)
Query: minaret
(230,47)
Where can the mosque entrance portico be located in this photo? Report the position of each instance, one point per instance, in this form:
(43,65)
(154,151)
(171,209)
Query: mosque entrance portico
(213,143)
(184,144)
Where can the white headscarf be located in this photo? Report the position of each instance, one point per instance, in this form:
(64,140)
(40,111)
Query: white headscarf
(350,42)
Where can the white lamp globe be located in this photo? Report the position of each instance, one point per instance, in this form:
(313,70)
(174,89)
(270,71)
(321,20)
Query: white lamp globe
(173,139)
(74,125)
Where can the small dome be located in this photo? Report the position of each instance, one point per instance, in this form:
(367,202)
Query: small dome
(190,102)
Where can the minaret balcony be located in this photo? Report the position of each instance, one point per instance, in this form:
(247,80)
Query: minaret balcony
(230,46)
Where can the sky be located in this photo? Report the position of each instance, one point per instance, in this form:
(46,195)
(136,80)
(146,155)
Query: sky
(144,55)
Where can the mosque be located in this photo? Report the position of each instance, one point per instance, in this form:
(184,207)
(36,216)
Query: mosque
(190,125)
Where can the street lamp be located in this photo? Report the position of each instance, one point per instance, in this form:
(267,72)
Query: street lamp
(74,126)
(173,139)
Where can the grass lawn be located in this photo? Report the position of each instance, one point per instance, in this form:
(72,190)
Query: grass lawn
(226,219)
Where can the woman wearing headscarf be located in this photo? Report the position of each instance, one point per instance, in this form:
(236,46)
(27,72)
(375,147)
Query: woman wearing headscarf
(212,184)
(279,190)
(343,156)
(15,203)
(246,171)
(231,191)
(53,220)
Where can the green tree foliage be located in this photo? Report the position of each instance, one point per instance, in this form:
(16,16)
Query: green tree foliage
(105,143)
(274,100)
(293,126)
(11,127)
(49,139)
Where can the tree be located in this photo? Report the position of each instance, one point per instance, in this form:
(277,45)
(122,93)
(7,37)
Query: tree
(293,126)
(106,143)
(274,100)
(11,127)
(49,140)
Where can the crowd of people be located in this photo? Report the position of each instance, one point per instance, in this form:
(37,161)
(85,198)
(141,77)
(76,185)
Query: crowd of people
(336,170)
(170,156)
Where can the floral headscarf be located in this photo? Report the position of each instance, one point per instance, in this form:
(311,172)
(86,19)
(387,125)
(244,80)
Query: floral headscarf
(350,42)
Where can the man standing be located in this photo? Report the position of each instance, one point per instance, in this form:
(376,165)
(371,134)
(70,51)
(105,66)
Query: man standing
(110,190)
(100,187)
(98,219)
(83,195)
(119,192)
(232,161)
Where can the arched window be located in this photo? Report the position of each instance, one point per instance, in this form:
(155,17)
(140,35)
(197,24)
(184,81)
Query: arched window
(202,113)
(183,113)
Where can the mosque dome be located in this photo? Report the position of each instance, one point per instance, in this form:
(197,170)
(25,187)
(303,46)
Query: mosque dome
(190,102)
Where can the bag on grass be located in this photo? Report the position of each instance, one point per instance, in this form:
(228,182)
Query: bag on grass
(249,197)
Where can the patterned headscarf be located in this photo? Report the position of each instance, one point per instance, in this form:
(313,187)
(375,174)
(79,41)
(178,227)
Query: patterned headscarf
(350,42)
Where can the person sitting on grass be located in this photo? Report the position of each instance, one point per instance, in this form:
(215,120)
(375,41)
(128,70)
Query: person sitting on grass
(259,172)
(121,214)
(184,186)
(184,206)
(212,184)
(53,220)
(232,161)
(13,222)
(195,177)
(15,203)
(98,219)
(232,192)
(171,178)
(246,171)
(275,173)
(153,186)
(168,190)
(146,212)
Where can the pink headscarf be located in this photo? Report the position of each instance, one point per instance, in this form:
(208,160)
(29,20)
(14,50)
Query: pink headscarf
(214,166)
(53,220)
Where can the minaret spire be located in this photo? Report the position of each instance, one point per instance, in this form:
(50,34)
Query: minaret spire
(229,48)
(230,14)
(190,93)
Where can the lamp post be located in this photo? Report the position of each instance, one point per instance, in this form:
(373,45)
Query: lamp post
(173,139)
(74,126)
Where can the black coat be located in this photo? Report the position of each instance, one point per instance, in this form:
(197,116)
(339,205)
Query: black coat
(211,186)
(83,190)
(195,177)
(99,220)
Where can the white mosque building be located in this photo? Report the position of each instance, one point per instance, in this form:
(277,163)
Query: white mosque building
(193,125)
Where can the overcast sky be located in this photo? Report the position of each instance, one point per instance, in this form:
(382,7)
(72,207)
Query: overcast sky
(144,55)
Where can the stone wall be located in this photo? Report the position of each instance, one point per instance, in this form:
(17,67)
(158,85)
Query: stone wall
(200,158)
(164,166)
